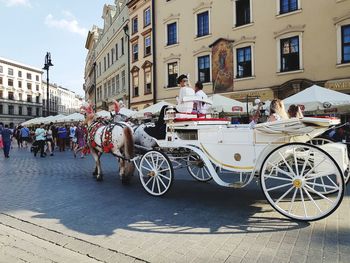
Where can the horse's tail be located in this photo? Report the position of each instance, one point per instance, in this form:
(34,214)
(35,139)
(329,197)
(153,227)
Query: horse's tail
(129,143)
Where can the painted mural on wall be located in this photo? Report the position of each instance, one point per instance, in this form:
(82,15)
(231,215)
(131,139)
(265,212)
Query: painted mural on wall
(222,65)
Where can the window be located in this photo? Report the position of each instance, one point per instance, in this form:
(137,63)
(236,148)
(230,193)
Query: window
(20,96)
(172,33)
(203,24)
(37,98)
(112,53)
(105,90)
(29,86)
(113,86)
(10,82)
(11,110)
(242,12)
(244,62)
(345,44)
(29,76)
(122,46)
(147,17)
(104,64)
(10,95)
(1,69)
(99,68)
(37,87)
(134,23)
(290,54)
(117,84)
(108,61)
(135,52)
(37,111)
(148,80)
(173,70)
(29,111)
(287,6)
(123,80)
(1,94)
(0,80)
(109,88)
(10,71)
(147,45)
(37,77)
(19,84)
(1,109)
(116,52)
(19,110)
(29,98)
(204,69)
(19,74)
(135,84)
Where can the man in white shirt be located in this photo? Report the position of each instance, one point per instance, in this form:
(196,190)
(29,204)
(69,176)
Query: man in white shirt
(200,106)
(185,91)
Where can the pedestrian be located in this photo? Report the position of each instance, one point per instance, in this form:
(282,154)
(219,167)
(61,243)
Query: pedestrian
(40,137)
(80,135)
(25,136)
(6,135)
(49,140)
(17,135)
(62,134)
(72,137)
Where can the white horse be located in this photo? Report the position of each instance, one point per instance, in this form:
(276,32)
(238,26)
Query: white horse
(114,138)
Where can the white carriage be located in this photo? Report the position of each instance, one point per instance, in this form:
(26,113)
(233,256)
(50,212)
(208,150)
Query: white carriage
(301,180)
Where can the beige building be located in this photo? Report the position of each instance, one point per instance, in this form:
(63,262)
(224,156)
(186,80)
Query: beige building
(106,65)
(21,92)
(246,48)
(141,54)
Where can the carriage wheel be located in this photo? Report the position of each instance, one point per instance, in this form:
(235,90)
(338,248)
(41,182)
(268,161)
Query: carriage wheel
(322,141)
(293,178)
(156,172)
(197,168)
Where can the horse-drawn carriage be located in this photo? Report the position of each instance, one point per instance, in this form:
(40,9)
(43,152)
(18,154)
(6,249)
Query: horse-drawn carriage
(301,178)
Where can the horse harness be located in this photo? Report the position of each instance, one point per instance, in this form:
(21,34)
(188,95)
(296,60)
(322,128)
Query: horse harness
(107,144)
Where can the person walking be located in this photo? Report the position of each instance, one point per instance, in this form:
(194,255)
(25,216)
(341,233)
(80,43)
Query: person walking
(62,134)
(25,136)
(49,140)
(80,134)
(40,134)
(6,135)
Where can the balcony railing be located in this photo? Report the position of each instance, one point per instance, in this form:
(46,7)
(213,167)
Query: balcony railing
(22,102)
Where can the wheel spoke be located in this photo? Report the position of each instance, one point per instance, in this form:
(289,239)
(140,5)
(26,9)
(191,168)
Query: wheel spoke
(279,199)
(319,194)
(280,170)
(319,175)
(318,208)
(295,162)
(278,178)
(153,184)
(159,166)
(150,179)
(278,187)
(150,165)
(154,165)
(163,176)
(284,160)
(164,170)
(306,162)
(146,168)
(293,199)
(159,178)
(324,186)
(303,201)
(314,167)
(202,173)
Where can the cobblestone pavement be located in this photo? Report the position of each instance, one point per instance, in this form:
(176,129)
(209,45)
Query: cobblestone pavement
(52,210)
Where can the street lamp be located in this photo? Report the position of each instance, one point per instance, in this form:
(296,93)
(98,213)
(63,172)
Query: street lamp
(126,32)
(46,67)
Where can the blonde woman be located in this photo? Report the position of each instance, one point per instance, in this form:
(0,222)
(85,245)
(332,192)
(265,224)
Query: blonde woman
(277,111)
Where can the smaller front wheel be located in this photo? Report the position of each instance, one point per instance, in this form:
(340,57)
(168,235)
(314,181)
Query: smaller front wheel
(156,172)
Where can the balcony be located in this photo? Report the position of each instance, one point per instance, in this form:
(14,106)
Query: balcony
(21,102)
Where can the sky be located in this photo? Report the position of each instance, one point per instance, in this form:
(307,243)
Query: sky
(30,28)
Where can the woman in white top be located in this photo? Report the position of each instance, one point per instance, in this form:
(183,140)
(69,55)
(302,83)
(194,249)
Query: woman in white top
(277,111)
(200,106)
(185,91)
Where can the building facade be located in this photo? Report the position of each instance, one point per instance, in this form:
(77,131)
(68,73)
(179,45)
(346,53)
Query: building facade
(246,49)
(108,58)
(21,92)
(62,100)
(141,54)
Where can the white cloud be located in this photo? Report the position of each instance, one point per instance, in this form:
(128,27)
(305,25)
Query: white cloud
(17,3)
(69,23)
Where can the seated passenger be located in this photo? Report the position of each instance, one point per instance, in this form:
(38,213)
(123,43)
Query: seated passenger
(200,106)
(185,91)
(277,111)
(294,111)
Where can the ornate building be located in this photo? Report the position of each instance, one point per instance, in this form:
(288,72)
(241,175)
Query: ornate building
(106,69)
(247,49)
(21,92)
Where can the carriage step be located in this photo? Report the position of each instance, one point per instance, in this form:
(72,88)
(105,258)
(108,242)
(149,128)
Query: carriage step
(237,185)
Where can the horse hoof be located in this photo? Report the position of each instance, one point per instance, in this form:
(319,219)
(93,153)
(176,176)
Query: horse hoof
(99,178)
(125,181)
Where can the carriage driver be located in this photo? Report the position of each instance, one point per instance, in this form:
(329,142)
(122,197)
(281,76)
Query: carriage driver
(185,91)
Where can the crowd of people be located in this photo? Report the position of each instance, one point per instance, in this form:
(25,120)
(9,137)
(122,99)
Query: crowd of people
(45,139)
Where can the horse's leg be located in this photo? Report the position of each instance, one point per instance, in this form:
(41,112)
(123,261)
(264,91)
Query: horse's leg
(95,156)
(98,173)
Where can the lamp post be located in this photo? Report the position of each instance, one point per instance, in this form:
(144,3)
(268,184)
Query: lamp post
(46,67)
(126,32)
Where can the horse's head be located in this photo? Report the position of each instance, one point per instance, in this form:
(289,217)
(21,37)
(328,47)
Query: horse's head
(116,107)
(88,111)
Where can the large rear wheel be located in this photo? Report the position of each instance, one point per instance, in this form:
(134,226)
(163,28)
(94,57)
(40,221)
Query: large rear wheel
(294,178)
(197,168)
